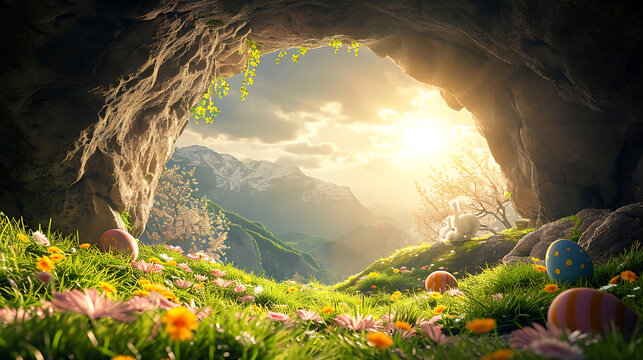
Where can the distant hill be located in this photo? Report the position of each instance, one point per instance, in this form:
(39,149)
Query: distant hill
(281,197)
(303,242)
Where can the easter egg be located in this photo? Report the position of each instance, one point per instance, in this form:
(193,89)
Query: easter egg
(590,310)
(119,241)
(568,261)
(440,281)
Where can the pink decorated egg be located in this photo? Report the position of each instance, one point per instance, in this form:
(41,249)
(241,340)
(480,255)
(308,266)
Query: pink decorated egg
(440,281)
(119,241)
(590,310)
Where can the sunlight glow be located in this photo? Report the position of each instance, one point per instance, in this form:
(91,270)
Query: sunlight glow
(424,136)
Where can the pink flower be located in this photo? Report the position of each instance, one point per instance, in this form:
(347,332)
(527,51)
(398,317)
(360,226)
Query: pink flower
(200,277)
(182,283)
(497,296)
(184,266)
(192,257)
(309,315)
(200,313)
(441,259)
(222,283)
(40,238)
(552,348)
(45,277)
(151,302)
(247,298)
(9,315)
(357,324)
(147,267)
(441,268)
(522,338)
(434,333)
(218,273)
(174,248)
(92,304)
(239,288)
(363,277)
(274,316)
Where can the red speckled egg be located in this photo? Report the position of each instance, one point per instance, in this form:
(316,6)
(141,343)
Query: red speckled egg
(590,310)
(119,241)
(440,281)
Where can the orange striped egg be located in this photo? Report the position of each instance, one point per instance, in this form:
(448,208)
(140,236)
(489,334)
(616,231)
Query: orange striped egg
(590,310)
(440,281)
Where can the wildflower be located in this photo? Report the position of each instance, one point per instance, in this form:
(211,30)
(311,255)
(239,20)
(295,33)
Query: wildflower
(436,295)
(123,357)
(174,248)
(218,273)
(327,309)
(171,263)
(84,246)
(439,309)
(454,292)
(395,271)
(441,268)
(275,316)
(396,295)
(403,325)
(522,338)
(141,293)
(57,257)
(144,282)
(166,257)
(550,288)
(535,259)
(292,289)
(629,276)
(358,323)
(247,298)
(44,277)
(222,283)
(154,260)
(309,315)
(255,308)
(379,339)
(373,287)
(40,238)
(501,354)
(239,288)
(182,283)
(497,296)
(179,323)
(553,348)
(45,264)
(614,280)
(540,268)
(22,237)
(107,287)
(192,257)
(152,301)
(258,290)
(53,249)
(363,277)
(184,266)
(149,267)
(92,304)
(481,326)
(434,333)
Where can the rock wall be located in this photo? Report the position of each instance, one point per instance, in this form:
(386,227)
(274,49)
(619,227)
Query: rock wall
(96,93)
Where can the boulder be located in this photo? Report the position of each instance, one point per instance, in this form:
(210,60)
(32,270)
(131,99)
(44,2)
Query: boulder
(603,233)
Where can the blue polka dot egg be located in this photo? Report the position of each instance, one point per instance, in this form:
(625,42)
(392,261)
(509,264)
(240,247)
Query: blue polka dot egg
(568,261)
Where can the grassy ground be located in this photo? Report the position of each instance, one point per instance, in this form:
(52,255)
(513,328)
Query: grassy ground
(238,329)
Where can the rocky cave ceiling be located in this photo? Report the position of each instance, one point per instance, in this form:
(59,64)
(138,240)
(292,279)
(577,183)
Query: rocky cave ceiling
(95,93)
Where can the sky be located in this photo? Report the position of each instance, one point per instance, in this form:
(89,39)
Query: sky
(355,121)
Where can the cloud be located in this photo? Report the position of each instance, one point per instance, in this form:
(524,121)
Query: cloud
(305,148)
(305,162)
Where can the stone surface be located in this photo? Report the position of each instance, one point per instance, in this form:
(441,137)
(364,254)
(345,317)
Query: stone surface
(96,93)
(604,234)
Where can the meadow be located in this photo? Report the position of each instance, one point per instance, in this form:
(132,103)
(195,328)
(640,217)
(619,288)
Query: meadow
(62,298)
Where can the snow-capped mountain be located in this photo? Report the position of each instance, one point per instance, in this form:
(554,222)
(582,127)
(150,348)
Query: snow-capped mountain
(281,197)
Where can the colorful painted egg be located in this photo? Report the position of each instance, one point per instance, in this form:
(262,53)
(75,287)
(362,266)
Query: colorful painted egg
(590,310)
(440,281)
(568,261)
(119,241)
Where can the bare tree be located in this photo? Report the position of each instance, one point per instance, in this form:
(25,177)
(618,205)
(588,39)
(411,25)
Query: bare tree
(178,218)
(474,178)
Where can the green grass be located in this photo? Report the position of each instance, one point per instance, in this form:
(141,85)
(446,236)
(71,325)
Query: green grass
(230,332)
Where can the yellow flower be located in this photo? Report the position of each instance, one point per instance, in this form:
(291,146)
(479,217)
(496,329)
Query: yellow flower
(57,257)
(439,309)
(372,273)
(23,237)
(255,308)
(171,263)
(396,295)
(328,309)
(45,264)
(436,295)
(502,354)
(379,339)
(540,268)
(107,287)
(534,259)
(154,260)
(53,249)
(144,282)
(123,357)
(179,323)
(614,280)
(395,271)
(403,325)
(140,293)
(481,326)
(550,288)
(84,246)
(629,276)
(292,289)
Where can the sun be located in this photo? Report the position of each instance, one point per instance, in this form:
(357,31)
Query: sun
(423,136)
